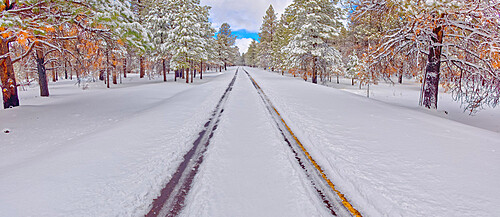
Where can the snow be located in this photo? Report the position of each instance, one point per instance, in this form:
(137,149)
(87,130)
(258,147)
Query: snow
(249,169)
(99,152)
(407,95)
(390,160)
(109,152)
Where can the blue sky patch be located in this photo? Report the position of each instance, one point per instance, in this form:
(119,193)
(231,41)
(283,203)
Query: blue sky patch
(243,33)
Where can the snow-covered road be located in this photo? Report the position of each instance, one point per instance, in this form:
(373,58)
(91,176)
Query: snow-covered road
(249,170)
(110,152)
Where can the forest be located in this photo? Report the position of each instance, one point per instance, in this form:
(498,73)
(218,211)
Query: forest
(450,44)
(105,40)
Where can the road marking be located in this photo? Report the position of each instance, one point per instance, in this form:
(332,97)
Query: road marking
(343,199)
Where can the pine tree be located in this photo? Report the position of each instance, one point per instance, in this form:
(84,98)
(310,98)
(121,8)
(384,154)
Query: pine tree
(314,23)
(458,38)
(267,37)
(281,40)
(44,26)
(159,23)
(189,34)
(251,54)
(226,42)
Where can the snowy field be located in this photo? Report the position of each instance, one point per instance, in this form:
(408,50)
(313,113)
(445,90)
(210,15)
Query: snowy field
(109,152)
(99,152)
(407,95)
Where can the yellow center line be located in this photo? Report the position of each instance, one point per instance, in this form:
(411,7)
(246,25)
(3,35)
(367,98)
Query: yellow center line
(345,202)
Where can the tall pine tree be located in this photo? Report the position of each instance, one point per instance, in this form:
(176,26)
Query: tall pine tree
(267,37)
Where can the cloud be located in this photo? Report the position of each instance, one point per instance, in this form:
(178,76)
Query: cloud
(242,14)
(243,44)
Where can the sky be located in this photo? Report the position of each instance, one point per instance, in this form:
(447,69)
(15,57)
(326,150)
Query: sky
(244,17)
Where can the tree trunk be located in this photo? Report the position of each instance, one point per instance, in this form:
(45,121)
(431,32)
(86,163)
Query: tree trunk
(125,67)
(193,71)
(42,73)
(164,71)
(141,70)
(314,75)
(65,70)
(431,82)
(225,66)
(107,67)
(352,81)
(400,78)
(115,79)
(53,72)
(168,67)
(338,82)
(187,76)
(8,78)
(201,70)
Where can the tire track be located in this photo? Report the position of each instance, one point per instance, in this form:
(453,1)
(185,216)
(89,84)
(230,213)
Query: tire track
(171,200)
(332,199)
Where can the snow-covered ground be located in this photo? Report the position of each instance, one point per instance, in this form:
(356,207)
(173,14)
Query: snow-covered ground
(408,94)
(390,160)
(100,152)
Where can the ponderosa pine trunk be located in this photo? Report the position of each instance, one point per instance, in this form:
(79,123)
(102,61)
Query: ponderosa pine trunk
(201,70)
(54,72)
(314,75)
(164,71)
(8,78)
(113,70)
(115,76)
(65,70)
(125,67)
(42,73)
(187,75)
(431,82)
(168,67)
(141,70)
(193,71)
(107,67)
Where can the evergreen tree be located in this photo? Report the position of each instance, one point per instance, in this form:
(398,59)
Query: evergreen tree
(267,37)
(188,37)
(159,23)
(226,40)
(314,23)
(458,40)
(251,54)
(282,38)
